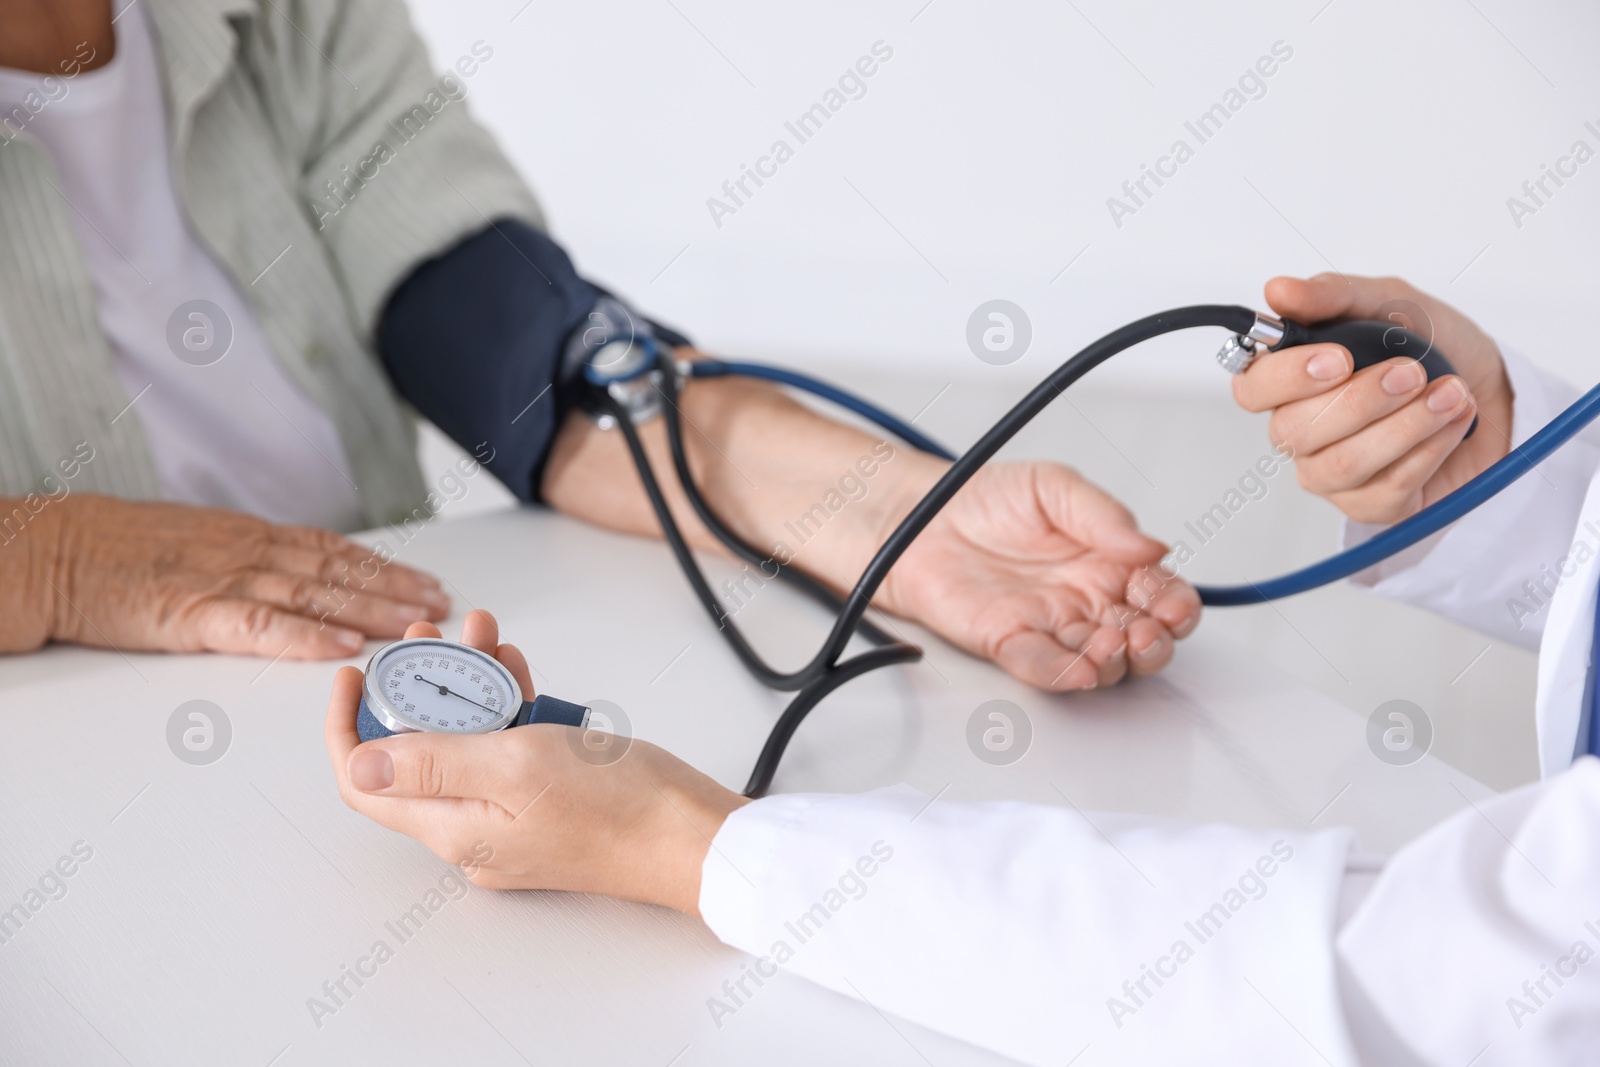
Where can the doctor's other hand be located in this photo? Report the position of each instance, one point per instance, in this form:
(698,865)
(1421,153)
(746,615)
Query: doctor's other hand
(1033,566)
(1383,443)
(159,577)
(522,808)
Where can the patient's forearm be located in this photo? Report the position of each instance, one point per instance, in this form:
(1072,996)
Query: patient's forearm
(781,476)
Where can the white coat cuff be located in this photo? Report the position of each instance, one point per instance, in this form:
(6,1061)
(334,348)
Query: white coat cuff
(1034,929)
(1468,570)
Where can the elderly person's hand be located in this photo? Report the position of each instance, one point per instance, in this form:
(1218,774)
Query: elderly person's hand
(96,570)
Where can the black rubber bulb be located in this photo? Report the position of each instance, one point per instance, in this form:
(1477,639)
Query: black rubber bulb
(1371,342)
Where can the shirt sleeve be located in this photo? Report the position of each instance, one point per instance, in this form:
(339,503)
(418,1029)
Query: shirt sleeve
(1036,931)
(391,166)
(1039,932)
(1494,569)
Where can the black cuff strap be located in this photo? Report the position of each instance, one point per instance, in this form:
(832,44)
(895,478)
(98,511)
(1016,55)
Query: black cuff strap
(474,341)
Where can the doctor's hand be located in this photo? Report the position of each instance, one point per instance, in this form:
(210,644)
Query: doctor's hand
(1038,569)
(1384,443)
(173,578)
(534,807)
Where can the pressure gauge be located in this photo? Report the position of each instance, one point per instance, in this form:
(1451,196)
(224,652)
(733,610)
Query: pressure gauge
(429,685)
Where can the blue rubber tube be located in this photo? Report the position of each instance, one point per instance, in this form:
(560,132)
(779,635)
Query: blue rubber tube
(1396,539)
(718,368)
(1425,523)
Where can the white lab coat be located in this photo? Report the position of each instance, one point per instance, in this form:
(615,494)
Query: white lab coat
(1054,936)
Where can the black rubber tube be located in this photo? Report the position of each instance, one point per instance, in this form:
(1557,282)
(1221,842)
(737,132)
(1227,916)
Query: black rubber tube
(800,580)
(824,673)
(1233,317)
(808,698)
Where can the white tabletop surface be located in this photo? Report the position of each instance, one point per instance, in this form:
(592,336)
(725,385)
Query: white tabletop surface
(219,898)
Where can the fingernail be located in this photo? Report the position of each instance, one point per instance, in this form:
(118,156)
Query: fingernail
(1146,651)
(1445,398)
(371,769)
(434,598)
(1403,379)
(1326,365)
(348,640)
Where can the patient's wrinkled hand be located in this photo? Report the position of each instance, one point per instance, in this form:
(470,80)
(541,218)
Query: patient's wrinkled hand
(170,577)
(1036,568)
(1381,443)
(522,808)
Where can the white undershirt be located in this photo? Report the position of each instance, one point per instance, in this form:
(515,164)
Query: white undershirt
(238,433)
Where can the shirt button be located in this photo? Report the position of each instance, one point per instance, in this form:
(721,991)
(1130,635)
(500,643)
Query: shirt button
(317,354)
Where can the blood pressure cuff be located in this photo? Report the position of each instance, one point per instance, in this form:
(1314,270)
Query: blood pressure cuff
(474,340)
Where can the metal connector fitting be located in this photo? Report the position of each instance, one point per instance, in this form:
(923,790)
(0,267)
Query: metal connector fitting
(640,397)
(1267,330)
(632,373)
(1241,350)
(1237,353)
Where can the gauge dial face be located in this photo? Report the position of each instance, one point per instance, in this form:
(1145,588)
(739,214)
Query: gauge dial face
(442,687)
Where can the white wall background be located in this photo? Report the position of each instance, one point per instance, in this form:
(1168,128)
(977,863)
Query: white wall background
(978,165)
(984,151)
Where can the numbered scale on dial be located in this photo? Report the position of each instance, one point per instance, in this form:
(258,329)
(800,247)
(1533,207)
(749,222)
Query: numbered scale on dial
(444,690)
(432,685)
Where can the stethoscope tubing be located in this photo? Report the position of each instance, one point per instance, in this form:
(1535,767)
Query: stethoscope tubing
(825,671)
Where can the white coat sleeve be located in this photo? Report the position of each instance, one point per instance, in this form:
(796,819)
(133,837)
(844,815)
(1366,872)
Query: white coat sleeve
(1039,932)
(1036,931)
(1494,570)
(1477,944)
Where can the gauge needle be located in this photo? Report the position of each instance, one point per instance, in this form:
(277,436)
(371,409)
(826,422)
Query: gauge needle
(445,690)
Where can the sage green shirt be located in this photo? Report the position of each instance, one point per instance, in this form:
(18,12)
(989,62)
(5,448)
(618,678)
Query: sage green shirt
(267,103)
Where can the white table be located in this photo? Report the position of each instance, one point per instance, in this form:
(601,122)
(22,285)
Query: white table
(219,898)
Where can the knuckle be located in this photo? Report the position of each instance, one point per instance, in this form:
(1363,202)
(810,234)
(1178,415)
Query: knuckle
(1363,403)
(428,770)
(1339,468)
(1244,393)
(312,536)
(304,594)
(330,542)
(1394,487)
(330,567)
(256,621)
(241,585)
(1281,428)
(254,540)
